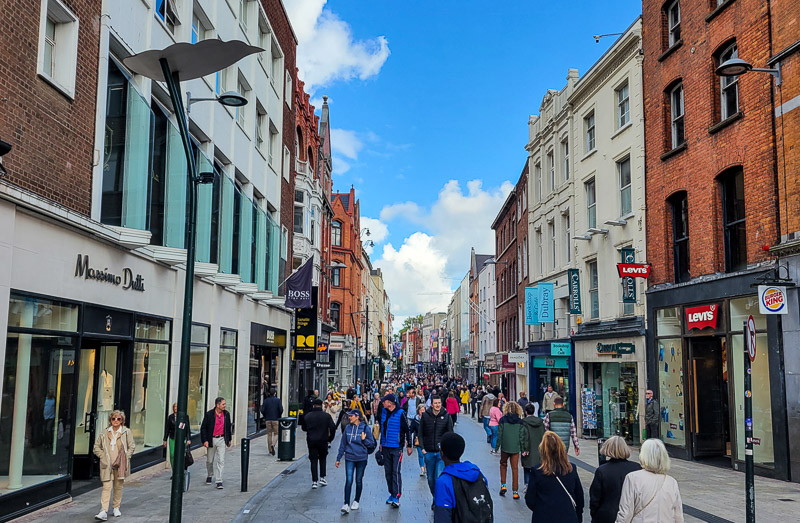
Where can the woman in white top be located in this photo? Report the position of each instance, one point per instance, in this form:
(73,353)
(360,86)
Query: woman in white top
(650,495)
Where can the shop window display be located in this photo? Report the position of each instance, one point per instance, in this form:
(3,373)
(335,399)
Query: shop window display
(198,377)
(671,388)
(149,384)
(614,392)
(227,368)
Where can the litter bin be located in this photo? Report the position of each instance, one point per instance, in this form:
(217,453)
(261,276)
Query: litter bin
(287,427)
(600,457)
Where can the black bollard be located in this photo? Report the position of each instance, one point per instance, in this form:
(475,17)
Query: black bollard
(245,462)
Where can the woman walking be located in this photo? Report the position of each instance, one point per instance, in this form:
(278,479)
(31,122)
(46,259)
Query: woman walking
(512,438)
(607,484)
(114,446)
(169,433)
(650,494)
(494,421)
(356,445)
(366,406)
(452,406)
(413,427)
(332,406)
(554,492)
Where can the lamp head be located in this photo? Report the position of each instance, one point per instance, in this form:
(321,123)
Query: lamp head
(232,99)
(733,67)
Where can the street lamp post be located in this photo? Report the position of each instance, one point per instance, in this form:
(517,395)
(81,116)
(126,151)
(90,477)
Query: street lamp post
(183,61)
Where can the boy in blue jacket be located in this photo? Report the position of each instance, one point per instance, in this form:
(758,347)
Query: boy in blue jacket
(356,445)
(446,505)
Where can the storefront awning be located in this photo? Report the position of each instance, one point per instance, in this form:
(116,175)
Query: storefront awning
(505,371)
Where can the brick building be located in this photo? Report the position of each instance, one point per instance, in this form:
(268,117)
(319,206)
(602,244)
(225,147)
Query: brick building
(505,226)
(712,204)
(523,249)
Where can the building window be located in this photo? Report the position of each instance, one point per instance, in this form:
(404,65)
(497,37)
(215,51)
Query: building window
(58,46)
(274,146)
(149,383)
(551,164)
(287,163)
(275,64)
(261,126)
(241,112)
(299,213)
(565,155)
(524,259)
(199,29)
(552,228)
(594,294)
(568,240)
(538,175)
(733,220)
(336,233)
(623,106)
(729,85)
(588,125)
(624,172)
(676,112)
(539,264)
(166,12)
(680,236)
(226,381)
(287,90)
(243,14)
(591,204)
(336,277)
(198,375)
(264,41)
(674,22)
(335,313)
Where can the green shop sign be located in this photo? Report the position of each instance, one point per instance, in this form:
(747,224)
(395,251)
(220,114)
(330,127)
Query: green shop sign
(560,349)
(615,350)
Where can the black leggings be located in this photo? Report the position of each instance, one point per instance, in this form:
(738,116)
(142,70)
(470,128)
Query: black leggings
(455,417)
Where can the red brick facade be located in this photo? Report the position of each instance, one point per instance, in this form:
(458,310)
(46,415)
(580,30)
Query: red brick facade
(346,210)
(505,232)
(523,244)
(52,135)
(711,148)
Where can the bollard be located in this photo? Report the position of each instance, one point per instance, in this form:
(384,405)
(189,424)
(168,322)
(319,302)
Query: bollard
(245,462)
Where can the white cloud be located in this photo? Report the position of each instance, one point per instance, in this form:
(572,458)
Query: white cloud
(340,166)
(420,274)
(346,143)
(327,51)
(378,231)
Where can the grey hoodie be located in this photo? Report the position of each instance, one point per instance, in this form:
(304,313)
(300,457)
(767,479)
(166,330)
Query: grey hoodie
(486,404)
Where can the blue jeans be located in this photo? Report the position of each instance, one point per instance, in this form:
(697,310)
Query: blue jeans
(526,474)
(434,466)
(420,457)
(354,468)
(487,429)
(494,430)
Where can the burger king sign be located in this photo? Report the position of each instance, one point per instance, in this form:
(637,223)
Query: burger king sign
(772,299)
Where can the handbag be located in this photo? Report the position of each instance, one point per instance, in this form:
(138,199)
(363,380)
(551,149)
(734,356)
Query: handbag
(117,463)
(568,494)
(188,460)
(376,431)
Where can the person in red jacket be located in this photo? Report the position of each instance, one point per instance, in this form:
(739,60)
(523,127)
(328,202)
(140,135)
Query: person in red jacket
(452,406)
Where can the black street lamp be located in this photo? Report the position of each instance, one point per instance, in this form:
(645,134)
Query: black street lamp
(184,61)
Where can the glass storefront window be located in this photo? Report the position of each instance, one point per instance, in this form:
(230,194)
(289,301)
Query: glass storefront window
(671,389)
(149,394)
(36,410)
(44,314)
(198,376)
(741,309)
(668,322)
(227,368)
(152,329)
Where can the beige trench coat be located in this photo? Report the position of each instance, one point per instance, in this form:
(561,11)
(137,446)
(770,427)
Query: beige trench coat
(102,449)
(659,490)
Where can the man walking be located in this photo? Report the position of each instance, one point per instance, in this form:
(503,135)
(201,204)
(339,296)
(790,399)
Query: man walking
(523,400)
(486,406)
(394,433)
(272,410)
(652,415)
(320,431)
(433,425)
(216,435)
(560,421)
(548,403)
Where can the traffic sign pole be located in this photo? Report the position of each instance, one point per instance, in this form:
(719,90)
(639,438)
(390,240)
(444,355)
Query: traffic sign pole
(750,492)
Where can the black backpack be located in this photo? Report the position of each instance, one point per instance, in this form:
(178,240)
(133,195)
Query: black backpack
(473,501)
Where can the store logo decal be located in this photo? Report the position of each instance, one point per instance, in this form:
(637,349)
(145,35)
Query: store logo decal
(702,317)
(773,299)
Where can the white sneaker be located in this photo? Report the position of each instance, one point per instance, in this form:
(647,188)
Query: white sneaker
(345,509)
(117,513)
(354,506)
(102,516)
(314,484)
(323,482)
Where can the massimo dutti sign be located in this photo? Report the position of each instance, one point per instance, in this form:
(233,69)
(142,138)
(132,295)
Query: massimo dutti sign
(126,279)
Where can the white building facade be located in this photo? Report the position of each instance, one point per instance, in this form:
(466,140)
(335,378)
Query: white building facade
(487,303)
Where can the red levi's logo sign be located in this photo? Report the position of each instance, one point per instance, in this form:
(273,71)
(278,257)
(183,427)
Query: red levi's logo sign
(633,270)
(701,317)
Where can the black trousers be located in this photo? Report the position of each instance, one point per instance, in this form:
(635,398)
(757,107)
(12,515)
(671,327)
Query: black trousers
(317,455)
(652,430)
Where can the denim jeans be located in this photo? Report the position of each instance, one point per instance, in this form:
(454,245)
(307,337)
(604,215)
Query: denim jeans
(354,468)
(487,429)
(420,457)
(434,466)
(494,430)
(526,475)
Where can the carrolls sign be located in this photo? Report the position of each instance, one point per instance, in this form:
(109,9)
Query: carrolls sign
(126,280)
(702,317)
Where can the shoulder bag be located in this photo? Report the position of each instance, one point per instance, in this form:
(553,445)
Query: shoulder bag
(651,499)
(574,506)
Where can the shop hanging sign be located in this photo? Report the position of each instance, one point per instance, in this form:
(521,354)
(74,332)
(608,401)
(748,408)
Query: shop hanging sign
(560,349)
(574,280)
(322,364)
(305,331)
(127,280)
(633,270)
(546,303)
(517,357)
(531,305)
(628,272)
(615,349)
(772,300)
(702,317)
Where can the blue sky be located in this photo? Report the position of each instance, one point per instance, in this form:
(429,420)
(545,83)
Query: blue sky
(430,102)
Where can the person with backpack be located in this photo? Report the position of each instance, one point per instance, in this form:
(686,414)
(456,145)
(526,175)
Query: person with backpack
(356,445)
(554,492)
(534,426)
(512,438)
(394,436)
(462,491)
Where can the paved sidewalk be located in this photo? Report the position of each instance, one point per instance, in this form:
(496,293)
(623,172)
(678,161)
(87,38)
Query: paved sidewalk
(146,495)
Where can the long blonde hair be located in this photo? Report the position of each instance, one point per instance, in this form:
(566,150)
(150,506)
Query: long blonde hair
(512,406)
(553,455)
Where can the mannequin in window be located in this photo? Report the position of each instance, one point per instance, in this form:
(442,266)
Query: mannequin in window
(146,370)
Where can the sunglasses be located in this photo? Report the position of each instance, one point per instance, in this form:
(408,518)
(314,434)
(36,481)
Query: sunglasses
(116,419)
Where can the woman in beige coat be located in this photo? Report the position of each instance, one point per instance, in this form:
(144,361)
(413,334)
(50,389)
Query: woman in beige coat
(114,446)
(332,406)
(649,495)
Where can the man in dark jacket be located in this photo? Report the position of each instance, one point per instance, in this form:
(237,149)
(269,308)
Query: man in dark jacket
(652,415)
(308,401)
(320,431)
(444,501)
(535,427)
(433,425)
(271,409)
(394,435)
(523,399)
(216,434)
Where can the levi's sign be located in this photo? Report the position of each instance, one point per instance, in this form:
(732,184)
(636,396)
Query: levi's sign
(633,270)
(701,317)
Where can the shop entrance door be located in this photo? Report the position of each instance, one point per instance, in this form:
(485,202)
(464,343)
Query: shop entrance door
(708,399)
(97,396)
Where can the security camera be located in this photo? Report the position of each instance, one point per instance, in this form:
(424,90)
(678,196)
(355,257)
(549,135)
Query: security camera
(5,147)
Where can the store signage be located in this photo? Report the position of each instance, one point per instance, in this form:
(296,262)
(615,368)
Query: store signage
(574,280)
(772,300)
(508,364)
(634,270)
(265,336)
(560,349)
(702,317)
(544,362)
(628,275)
(322,348)
(305,331)
(546,304)
(615,349)
(322,364)
(127,280)
(531,305)
(337,345)
(517,357)
(299,287)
